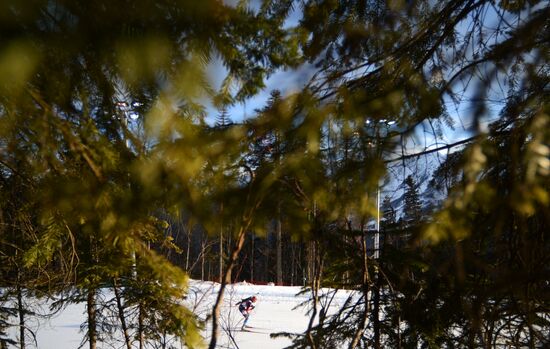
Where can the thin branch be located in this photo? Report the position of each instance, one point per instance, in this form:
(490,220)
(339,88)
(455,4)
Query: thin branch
(447,146)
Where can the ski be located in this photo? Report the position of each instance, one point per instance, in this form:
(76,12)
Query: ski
(253,331)
(256,328)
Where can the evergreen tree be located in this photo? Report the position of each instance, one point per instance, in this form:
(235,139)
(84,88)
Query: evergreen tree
(64,69)
(394,64)
(389,216)
(412,209)
(317,155)
(223,120)
(388,223)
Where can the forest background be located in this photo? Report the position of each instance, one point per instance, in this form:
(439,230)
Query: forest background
(410,164)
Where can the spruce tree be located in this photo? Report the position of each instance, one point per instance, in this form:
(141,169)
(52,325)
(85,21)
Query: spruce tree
(99,186)
(395,63)
(64,70)
(388,214)
(412,209)
(388,223)
(223,120)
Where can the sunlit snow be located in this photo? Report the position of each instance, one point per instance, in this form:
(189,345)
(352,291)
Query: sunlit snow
(275,312)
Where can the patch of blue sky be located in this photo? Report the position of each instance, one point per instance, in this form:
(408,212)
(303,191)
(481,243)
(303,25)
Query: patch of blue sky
(469,113)
(286,81)
(478,96)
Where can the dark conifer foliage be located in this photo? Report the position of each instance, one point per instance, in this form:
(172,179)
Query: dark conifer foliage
(112,179)
(75,75)
(223,120)
(412,210)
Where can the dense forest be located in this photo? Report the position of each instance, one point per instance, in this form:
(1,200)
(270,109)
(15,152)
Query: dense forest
(410,163)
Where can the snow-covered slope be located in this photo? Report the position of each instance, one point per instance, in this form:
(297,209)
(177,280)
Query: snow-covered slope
(275,312)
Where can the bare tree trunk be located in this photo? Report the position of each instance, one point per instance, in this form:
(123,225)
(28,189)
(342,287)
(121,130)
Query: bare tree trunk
(252,259)
(202,260)
(229,247)
(279,243)
(220,260)
(293,269)
(21,310)
(163,340)
(121,315)
(221,248)
(279,247)
(225,280)
(317,265)
(92,318)
(267,254)
(141,330)
(310,261)
(188,251)
(365,288)
(376,313)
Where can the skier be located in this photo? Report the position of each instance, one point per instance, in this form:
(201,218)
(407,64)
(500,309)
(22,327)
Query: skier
(245,307)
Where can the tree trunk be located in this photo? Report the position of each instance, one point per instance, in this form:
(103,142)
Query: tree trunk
(252,259)
(188,251)
(309,253)
(220,261)
(141,331)
(121,315)
(92,318)
(292,263)
(21,310)
(365,288)
(221,249)
(202,260)
(317,265)
(279,248)
(376,313)
(225,280)
(229,247)
(279,243)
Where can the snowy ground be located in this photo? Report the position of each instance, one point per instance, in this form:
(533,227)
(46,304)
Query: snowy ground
(275,312)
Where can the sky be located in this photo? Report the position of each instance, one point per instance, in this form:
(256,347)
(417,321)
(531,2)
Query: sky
(286,81)
(462,113)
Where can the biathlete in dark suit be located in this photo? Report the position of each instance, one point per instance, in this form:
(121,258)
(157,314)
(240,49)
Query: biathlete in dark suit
(245,307)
